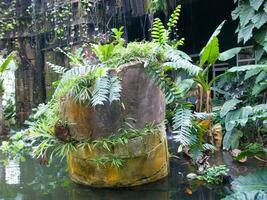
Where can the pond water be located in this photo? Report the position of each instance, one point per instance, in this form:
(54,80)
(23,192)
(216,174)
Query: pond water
(29,181)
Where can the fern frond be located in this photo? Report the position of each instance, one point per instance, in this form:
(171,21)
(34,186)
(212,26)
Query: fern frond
(159,33)
(171,91)
(179,61)
(107,88)
(56,68)
(101,91)
(174,18)
(115,89)
(72,74)
(182,126)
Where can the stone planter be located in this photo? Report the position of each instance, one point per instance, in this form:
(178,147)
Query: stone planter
(145,160)
(145,157)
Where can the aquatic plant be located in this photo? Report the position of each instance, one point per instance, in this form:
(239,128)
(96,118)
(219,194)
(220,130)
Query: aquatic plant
(214,175)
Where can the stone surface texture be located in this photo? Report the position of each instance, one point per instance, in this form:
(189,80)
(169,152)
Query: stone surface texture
(141,101)
(145,160)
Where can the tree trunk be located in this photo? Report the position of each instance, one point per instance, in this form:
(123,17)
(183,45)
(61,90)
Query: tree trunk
(208,101)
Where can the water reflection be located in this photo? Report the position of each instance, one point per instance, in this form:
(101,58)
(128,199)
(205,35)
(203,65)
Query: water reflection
(12,172)
(29,180)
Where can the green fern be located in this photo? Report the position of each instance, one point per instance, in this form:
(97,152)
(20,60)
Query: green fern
(174,18)
(182,126)
(181,61)
(171,91)
(107,88)
(159,34)
(56,68)
(114,89)
(101,91)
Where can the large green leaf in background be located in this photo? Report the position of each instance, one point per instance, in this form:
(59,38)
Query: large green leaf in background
(237,117)
(211,52)
(228,106)
(259,19)
(250,187)
(245,33)
(253,181)
(246,13)
(231,139)
(246,68)
(256,3)
(252,195)
(226,55)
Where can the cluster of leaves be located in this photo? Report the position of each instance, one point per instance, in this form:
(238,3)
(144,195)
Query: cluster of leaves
(156,6)
(251,186)
(8,21)
(214,175)
(243,113)
(253,149)
(252,16)
(161,35)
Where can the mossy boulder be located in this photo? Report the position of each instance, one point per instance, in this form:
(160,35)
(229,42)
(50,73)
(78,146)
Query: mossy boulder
(141,100)
(144,159)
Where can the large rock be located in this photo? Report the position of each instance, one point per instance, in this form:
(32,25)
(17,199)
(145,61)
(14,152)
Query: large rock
(87,122)
(142,101)
(145,159)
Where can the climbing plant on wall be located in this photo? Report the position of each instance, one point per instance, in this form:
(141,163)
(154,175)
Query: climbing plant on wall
(252,15)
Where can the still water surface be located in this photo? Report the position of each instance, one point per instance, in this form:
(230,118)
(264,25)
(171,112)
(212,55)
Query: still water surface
(31,181)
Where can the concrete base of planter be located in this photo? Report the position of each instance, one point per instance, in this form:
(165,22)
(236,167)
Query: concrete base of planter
(145,160)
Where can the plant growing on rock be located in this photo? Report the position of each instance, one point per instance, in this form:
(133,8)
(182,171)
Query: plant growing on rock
(214,175)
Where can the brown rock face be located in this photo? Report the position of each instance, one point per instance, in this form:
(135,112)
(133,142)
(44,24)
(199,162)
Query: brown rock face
(87,122)
(142,101)
(145,160)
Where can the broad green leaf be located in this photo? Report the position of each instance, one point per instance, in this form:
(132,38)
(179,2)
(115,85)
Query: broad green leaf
(253,181)
(228,106)
(246,14)
(257,89)
(259,19)
(261,36)
(251,73)
(247,195)
(231,139)
(246,68)
(4,66)
(235,13)
(226,55)
(211,51)
(245,33)
(237,117)
(265,6)
(261,77)
(256,3)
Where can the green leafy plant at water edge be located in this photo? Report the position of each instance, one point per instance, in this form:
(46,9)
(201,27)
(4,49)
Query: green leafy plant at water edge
(244,113)
(214,175)
(251,186)
(254,149)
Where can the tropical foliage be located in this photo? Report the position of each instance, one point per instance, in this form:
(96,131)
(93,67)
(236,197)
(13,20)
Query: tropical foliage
(252,15)
(251,186)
